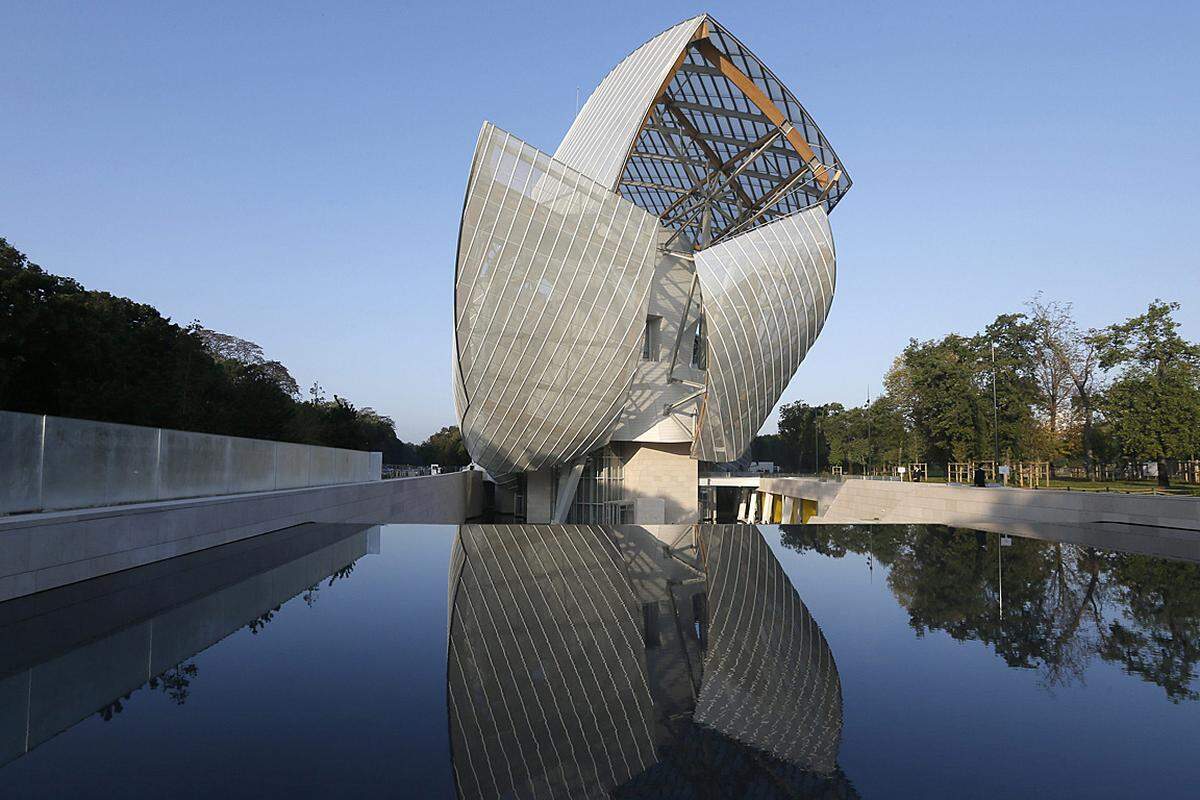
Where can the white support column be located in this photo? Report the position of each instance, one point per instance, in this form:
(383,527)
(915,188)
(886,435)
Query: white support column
(566,491)
(539,491)
(752,512)
(789,509)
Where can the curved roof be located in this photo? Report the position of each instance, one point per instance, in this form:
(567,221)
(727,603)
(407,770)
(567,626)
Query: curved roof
(604,129)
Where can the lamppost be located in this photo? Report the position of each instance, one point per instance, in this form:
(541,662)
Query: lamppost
(995,411)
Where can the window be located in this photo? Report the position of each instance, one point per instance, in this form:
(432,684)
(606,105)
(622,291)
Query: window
(650,339)
(699,346)
(651,637)
(600,496)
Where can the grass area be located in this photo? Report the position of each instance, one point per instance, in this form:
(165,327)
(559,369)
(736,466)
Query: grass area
(1126,487)
(1139,487)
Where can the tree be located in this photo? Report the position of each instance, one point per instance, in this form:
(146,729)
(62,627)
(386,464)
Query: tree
(1065,350)
(846,432)
(890,440)
(1154,406)
(445,448)
(775,448)
(236,352)
(1016,391)
(1050,322)
(945,404)
(800,429)
(68,351)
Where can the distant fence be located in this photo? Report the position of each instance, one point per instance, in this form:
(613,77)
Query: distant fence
(55,463)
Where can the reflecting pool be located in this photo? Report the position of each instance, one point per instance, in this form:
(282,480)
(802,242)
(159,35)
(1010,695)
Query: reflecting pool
(576,661)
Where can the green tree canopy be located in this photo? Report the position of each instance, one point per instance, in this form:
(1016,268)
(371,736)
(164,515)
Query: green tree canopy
(1153,408)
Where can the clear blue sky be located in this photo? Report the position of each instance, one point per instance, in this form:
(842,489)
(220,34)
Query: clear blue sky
(294,173)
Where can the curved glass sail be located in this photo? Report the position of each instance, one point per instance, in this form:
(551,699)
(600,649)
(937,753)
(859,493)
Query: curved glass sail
(550,295)
(735,181)
(766,296)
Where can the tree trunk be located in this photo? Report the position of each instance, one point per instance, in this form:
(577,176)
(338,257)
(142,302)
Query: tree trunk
(1164,473)
(1088,465)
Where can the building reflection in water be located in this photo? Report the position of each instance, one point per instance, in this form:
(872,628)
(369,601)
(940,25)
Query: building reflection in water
(636,662)
(68,653)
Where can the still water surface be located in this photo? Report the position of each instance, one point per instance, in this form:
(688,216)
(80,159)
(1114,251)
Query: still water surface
(725,661)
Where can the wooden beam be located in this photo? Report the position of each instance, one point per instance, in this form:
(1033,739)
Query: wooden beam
(765,104)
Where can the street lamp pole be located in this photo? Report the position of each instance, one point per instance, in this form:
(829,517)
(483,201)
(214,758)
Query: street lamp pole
(995,411)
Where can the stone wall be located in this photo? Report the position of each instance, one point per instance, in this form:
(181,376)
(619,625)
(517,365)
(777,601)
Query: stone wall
(662,481)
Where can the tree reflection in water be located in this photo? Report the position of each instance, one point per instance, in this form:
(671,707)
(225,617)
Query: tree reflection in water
(175,682)
(1063,604)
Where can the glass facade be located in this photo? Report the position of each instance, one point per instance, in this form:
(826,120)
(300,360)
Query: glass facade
(600,497)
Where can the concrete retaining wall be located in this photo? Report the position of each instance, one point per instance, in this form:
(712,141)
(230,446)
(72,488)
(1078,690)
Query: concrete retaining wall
(1117,521)
(46,550)
(53,463)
